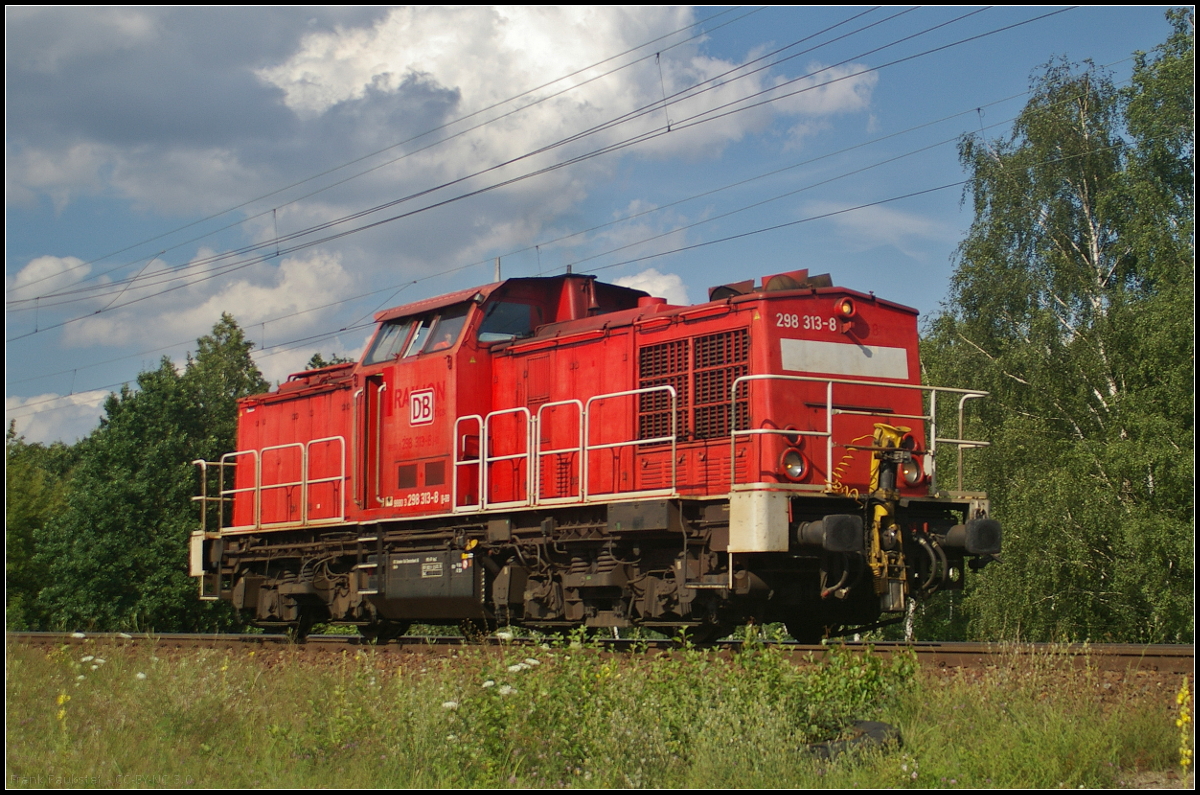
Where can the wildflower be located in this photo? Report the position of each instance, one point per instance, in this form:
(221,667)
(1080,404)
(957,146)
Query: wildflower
(86,658)
(531,662)
(80,678)
(490,683)
(504,635)
(100,661)
(94,667)
(63,698)
(78,635)
(507,690)
(141,675)
(517,668)
(1184,723)
(449,705)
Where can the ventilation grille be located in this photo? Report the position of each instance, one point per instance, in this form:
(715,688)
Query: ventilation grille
(702,371)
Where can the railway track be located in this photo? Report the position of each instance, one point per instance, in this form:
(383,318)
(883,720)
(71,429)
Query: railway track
(1159,658)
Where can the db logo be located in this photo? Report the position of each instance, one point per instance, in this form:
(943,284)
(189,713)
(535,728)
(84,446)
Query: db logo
(420,407)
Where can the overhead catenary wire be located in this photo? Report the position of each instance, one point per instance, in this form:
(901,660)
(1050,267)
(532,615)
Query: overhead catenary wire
(703,244)
(394,288)
(274,242)
(706,243)
(699,118)
(411,139)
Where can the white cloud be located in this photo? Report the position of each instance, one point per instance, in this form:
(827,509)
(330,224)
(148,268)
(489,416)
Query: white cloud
(61,173)
(51,417)
(279,297)
(875,226)
(49,273)
(182,180)
(64,35)
(660,285)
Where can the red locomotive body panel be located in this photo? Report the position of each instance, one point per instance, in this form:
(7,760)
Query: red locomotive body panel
(779,420)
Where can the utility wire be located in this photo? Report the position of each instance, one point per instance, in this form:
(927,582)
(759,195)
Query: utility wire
(274,243)
(396,288)
(377,152)
(699,118)
(692,247)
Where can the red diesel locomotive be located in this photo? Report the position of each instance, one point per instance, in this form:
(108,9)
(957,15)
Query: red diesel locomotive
(558,452)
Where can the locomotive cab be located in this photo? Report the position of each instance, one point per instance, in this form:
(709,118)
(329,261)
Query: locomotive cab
(558,452)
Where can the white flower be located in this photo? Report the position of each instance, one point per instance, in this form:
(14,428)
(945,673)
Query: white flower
(490,683)
(80,678)
(531,662)
(449,705)
(78,635)
(94,667)
(100,661)
(507,690)
(141,675)
(504,635)
(516,669)
(87,658)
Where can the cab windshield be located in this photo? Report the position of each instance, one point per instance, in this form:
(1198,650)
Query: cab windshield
(405,337)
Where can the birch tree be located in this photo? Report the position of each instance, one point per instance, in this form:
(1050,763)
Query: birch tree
(1072,303)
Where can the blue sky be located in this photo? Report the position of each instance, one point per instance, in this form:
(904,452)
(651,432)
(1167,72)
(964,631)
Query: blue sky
(146,148)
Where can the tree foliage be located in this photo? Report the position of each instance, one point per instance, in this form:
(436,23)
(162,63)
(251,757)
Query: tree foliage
(34,478)
(1072,304)
(117,555)
(318,361)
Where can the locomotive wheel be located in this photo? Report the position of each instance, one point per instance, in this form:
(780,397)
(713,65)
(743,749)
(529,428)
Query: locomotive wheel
(705,633)
(810,631)
(381,632)
(477,628)
(298,632)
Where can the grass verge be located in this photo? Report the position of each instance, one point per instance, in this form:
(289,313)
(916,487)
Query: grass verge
(521,717)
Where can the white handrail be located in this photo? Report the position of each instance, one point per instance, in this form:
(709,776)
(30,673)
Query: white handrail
(487,460)
(830,412)
(309,480)
(462,462)
(253,488)
(539,453)
(588,447)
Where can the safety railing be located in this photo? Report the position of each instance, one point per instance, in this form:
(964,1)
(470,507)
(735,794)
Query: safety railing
(276,455)
(830,411)
(464,459)
(473,468)
(227,495)
(575,450)
(489,460)
(589,447)
(229,463)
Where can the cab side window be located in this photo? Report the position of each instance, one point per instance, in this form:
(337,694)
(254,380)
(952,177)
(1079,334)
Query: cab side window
(409,336)
(449,326)
(419,336)
(504,320)
(388,341)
